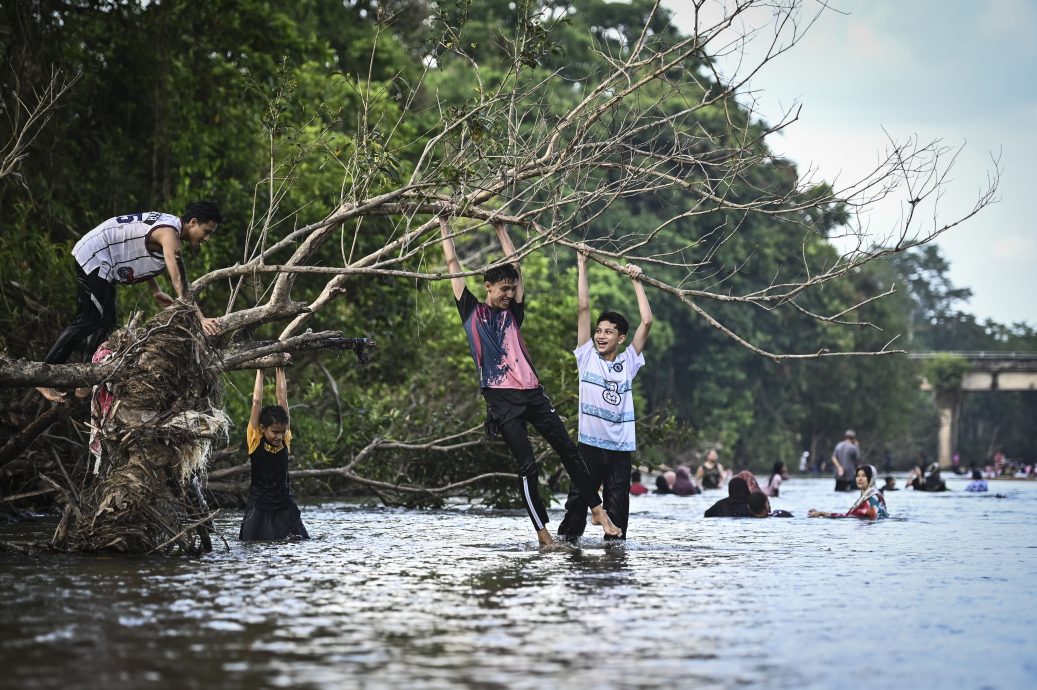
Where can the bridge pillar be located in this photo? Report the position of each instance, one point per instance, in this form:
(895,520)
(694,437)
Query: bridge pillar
(946,434)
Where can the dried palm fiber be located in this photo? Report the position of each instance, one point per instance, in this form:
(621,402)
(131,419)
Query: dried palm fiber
(159,434)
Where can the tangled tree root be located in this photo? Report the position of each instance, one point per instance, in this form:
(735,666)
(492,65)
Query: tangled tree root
(155,439)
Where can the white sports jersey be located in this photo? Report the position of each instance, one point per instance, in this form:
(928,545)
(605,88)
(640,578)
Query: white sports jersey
(606,397)
(118,247)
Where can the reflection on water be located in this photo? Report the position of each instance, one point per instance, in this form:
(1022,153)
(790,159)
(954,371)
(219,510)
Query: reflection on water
(385,598)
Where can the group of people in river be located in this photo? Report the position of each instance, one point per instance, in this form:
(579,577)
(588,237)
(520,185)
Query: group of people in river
(138,247)
(747,498)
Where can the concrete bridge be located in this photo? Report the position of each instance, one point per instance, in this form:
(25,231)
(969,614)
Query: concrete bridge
(988,371)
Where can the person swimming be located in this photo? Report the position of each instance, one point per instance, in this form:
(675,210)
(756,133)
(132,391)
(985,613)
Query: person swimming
(683,485)
(870,505)
(736,504)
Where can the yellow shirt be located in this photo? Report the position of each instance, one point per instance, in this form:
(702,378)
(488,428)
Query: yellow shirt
(253,436)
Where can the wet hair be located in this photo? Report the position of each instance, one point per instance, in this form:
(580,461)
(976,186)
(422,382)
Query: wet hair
(661,485)
(779,467)
(757,502)
(622,325)
(635,476)
(889,478)
(273,414)
(203,211)
(976,474)
(866,469)
(499,273)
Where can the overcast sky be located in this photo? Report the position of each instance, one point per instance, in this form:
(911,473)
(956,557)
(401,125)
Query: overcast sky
(961,71)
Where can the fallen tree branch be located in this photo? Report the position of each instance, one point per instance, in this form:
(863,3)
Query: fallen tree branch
(20,441)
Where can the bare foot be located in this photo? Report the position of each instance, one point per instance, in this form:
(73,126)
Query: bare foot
(51,394)
(556,547)
(600,517)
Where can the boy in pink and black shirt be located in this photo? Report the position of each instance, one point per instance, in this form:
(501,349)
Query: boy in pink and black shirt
(495,341)
(509,383)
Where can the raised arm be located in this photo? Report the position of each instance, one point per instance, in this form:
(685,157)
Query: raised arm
(257,400)
(509,251)
(170,242)
(645,309)
(583,299)
(453,265)
(281,387)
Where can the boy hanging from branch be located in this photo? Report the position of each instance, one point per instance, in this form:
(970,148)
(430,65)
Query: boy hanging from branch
(509,383)
(606,440)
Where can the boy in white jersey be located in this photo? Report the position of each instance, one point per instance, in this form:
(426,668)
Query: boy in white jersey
(510,386)
(129,249)
(607,440)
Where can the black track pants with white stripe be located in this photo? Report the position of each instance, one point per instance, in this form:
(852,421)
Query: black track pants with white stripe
(95,320)
(513,409)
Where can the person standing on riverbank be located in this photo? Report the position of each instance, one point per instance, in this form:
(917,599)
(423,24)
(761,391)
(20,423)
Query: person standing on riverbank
(607,435)
(509,383)
(845,459)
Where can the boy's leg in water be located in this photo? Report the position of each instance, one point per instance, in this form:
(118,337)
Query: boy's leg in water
(575,520)
(616,493)
(541,415)
(512,427)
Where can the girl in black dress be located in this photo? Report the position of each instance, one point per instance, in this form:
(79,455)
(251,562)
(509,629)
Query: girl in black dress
(270,513)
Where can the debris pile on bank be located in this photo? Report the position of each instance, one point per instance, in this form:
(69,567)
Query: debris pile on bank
(154,424)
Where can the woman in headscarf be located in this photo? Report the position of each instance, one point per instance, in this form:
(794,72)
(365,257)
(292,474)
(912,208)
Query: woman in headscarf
(737,502)
(683,485)
(750,479)
(870,505)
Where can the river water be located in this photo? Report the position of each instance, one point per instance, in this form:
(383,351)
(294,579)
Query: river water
(939,596)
